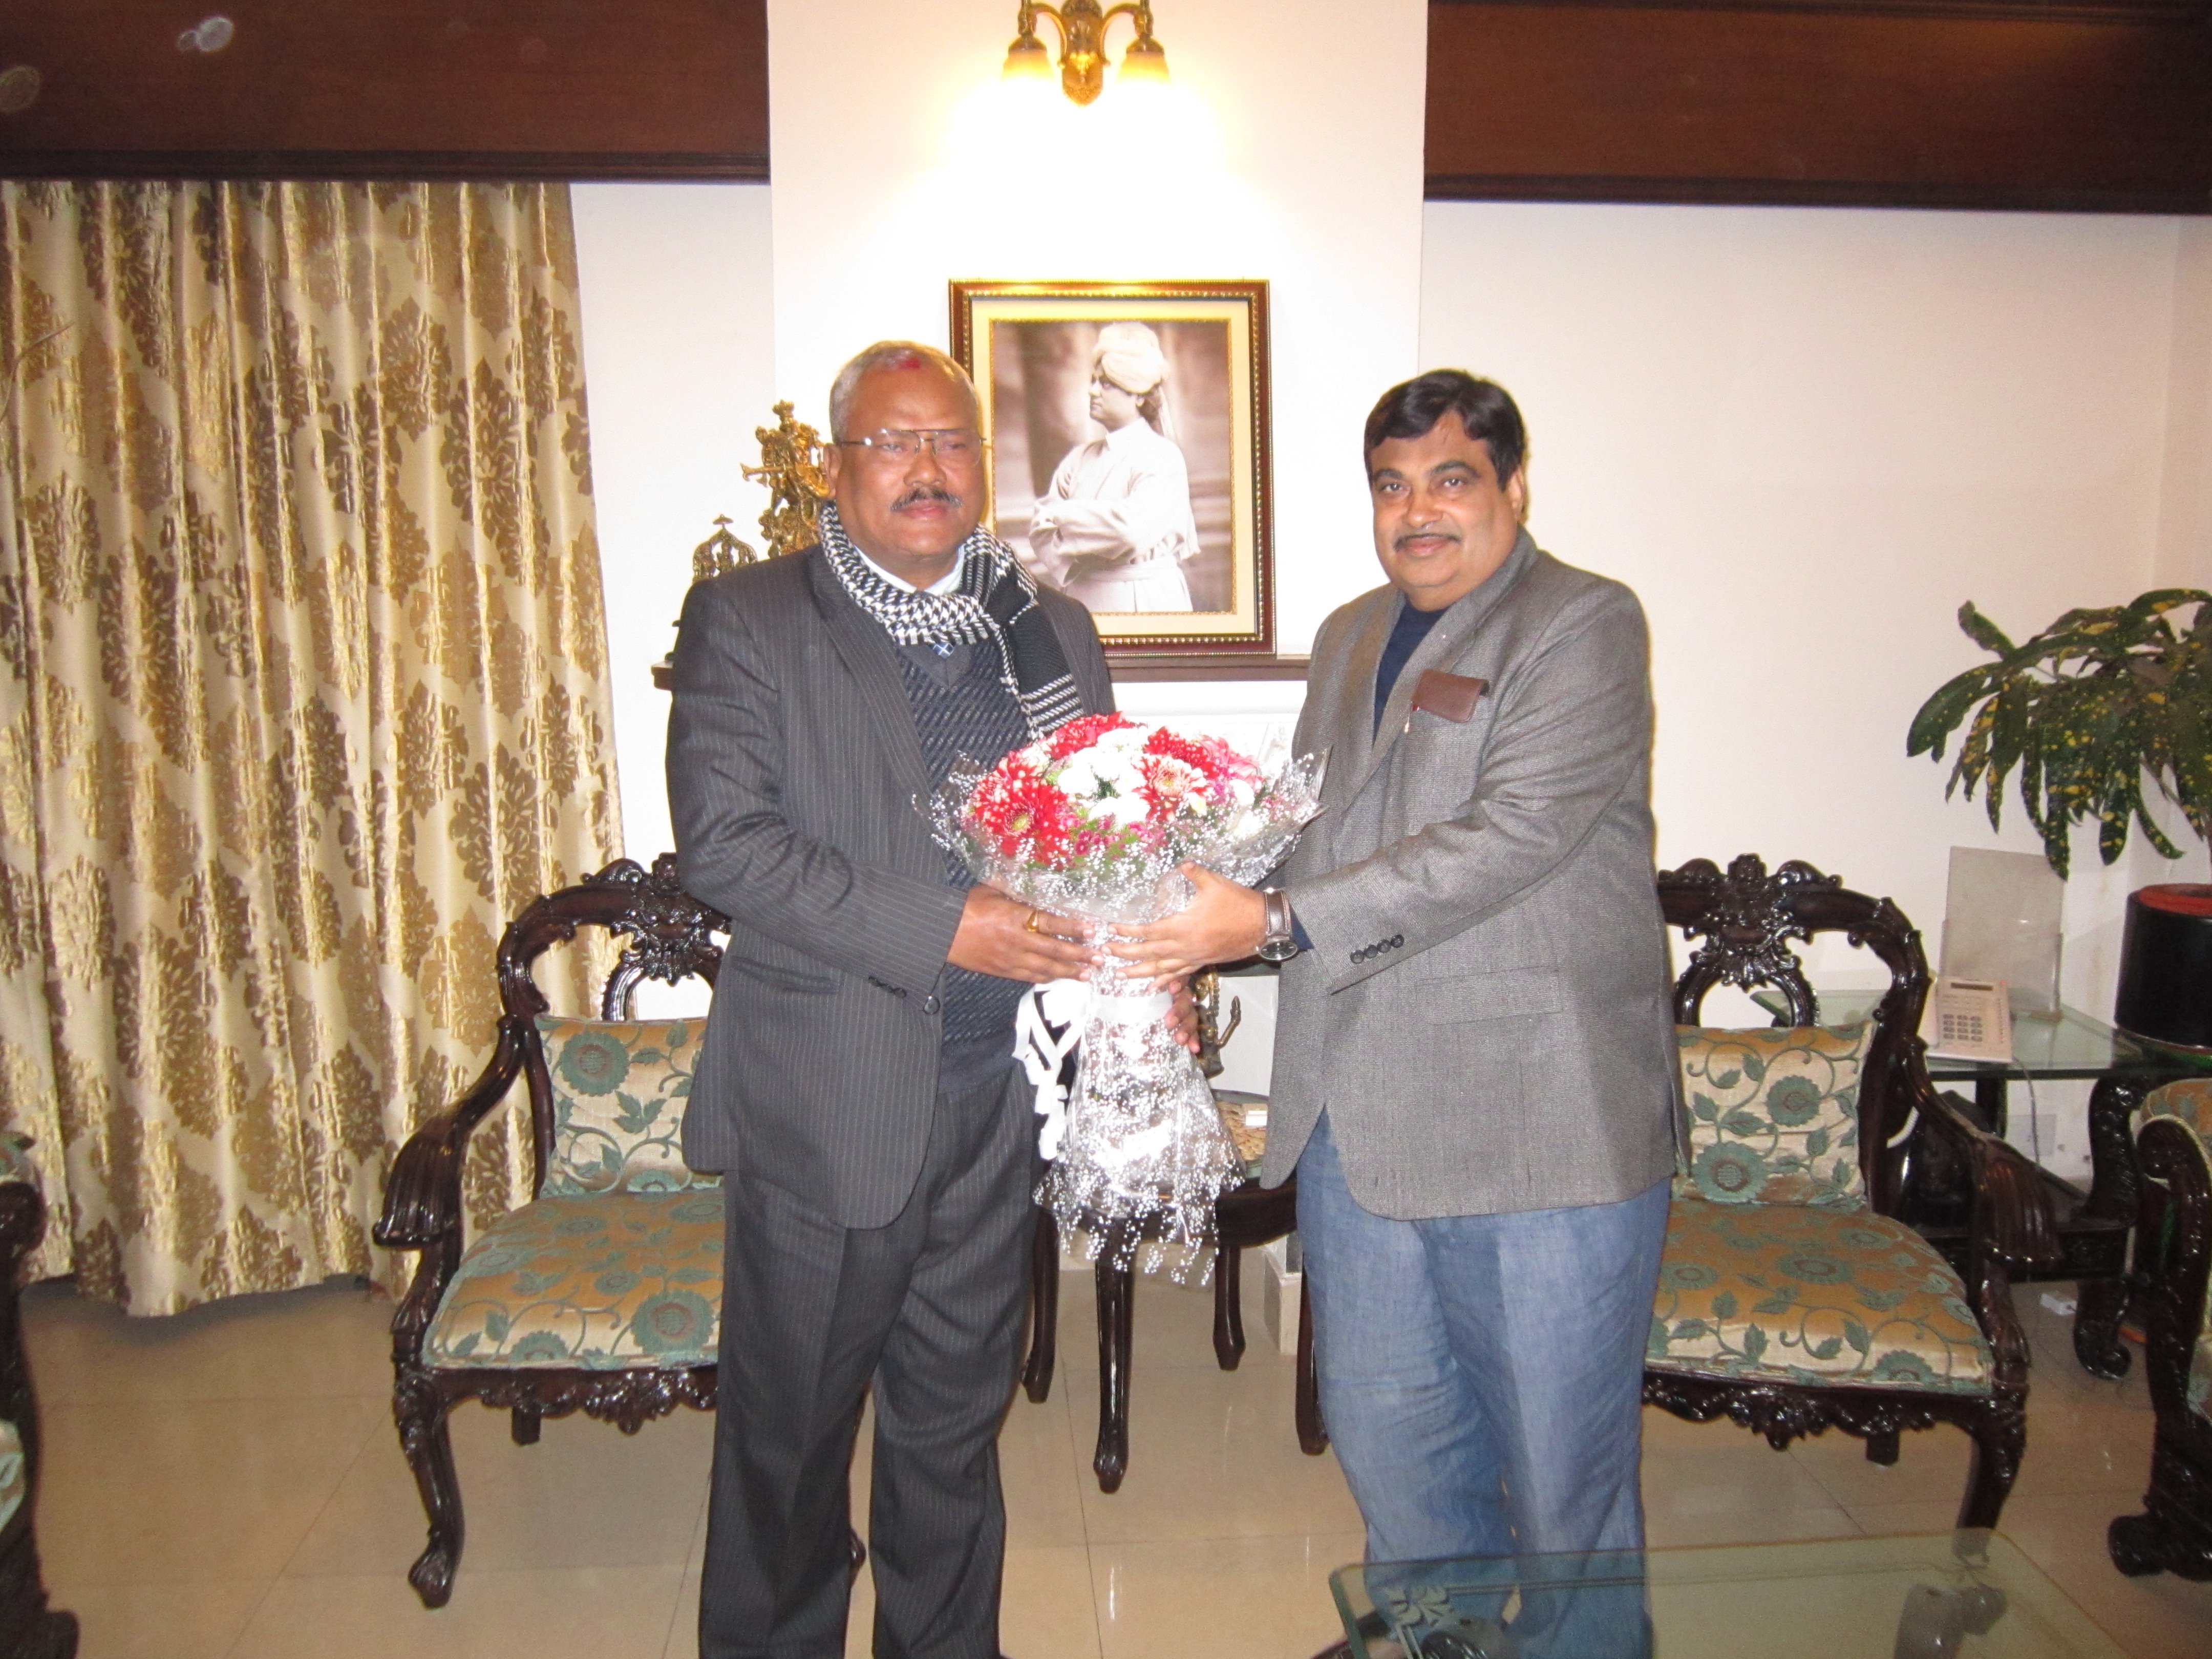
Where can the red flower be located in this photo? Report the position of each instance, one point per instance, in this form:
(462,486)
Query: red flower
(1081,733)
(1212,757)
(1022,815)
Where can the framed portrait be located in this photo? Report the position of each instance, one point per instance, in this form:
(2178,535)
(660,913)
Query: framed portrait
(1128,424)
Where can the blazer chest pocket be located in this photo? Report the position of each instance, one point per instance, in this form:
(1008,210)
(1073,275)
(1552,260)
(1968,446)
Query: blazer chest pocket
(782,979)
(1465,998)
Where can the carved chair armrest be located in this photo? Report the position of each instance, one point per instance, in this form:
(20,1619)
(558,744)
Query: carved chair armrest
(422,1196)
(2011,1215)
(2009,1226)
(22,1224)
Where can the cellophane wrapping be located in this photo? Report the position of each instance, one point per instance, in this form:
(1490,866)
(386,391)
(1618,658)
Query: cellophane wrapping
(1094,821)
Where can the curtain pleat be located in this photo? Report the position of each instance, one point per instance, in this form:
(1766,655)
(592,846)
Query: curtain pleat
(302,695)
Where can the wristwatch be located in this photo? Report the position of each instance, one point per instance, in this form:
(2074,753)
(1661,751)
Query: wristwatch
(1278,944)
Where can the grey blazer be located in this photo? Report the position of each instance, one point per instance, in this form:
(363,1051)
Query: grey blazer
(1485,1011)
(794,771)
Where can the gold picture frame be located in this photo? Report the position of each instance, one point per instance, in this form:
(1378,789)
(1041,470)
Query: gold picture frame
(1086,492)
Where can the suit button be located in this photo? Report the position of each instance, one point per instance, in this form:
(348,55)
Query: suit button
(1397,941)
(929,1003)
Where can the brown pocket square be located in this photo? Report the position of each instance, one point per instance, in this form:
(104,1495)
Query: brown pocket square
(1451,696)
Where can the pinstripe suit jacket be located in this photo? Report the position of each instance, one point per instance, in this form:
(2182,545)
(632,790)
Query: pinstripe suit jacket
(1484,1012)
(793,769)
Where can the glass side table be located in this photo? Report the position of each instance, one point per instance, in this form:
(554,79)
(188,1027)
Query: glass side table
(1845,1598)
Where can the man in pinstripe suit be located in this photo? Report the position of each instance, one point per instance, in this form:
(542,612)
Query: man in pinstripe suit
(858,1085)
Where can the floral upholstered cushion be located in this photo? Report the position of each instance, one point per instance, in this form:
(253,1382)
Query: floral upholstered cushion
(619,1090)
(1774,1114)
(1801,1294)
(13,1476)
(15,1157)
(610,1281)
(2192,1102)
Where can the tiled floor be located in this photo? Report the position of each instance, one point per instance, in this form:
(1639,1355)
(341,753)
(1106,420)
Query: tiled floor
(228,1483)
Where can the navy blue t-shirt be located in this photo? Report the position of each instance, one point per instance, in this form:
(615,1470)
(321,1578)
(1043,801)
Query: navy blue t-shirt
(1412,627)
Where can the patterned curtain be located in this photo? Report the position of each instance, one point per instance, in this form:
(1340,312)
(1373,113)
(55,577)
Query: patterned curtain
(302,695)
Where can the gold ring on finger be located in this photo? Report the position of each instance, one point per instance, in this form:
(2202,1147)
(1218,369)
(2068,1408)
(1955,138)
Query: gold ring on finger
(1030,925)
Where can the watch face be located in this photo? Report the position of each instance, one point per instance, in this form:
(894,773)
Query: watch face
(1278,949)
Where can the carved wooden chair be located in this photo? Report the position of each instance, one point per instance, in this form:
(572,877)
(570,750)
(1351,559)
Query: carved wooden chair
(603,1294)
(1246,1215)
(2173,1257)
(28,1628)
(1791,1298)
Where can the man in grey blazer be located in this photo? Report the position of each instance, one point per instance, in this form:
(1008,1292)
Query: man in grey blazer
(857,1085)
(1474,1063)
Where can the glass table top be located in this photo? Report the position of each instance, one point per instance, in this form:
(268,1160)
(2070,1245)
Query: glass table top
(1964,1593)
(2074,1045)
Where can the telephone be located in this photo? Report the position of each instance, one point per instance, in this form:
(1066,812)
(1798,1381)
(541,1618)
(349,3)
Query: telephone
(1969,1019)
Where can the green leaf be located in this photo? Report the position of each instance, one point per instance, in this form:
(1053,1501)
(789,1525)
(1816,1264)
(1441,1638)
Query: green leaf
(1982,631)
(1856,1334)
(1743,1125)
(1940,715)
(1826,1348)
(1724,1305)
(1754,1342)
(1816,1144)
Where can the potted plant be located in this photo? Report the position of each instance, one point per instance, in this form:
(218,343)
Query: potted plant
(2083,713)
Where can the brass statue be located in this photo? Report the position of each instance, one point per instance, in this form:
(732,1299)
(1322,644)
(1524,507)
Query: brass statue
(1206,989)
(721,552)
(791,464)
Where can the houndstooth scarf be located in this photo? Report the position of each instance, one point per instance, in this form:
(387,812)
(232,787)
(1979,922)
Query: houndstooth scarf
(995,601)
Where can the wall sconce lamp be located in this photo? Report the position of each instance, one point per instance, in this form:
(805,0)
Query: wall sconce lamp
(1082,26)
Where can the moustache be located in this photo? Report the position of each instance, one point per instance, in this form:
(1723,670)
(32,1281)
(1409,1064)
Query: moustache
(1398,543)
(921,493)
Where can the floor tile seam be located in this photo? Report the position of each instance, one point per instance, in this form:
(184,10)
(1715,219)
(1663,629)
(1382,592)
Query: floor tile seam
(267,1589)
(330,1498)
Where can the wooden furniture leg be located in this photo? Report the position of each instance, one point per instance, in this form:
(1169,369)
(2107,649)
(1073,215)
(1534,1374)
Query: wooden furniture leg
(1313,1433)
(1044,1304)
(1228,1306)
(1116,1307)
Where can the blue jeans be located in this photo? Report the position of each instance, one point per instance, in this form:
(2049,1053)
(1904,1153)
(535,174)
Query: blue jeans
(1481,1375)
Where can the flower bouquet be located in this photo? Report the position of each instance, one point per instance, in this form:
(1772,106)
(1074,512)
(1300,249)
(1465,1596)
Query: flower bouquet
(1093,822)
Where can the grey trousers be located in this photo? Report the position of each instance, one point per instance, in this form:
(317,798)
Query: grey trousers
(931,1309)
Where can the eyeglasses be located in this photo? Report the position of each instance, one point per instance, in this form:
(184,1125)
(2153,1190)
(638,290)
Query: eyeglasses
(953,446)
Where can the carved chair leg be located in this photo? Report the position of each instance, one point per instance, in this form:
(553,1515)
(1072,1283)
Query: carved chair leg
(1116,1309)
(420,1408)
(1044,1307)
(1881,1447)
(1228,1306)
(2101,1305)
(2000,1436)
(1313,1433)
(527,1419)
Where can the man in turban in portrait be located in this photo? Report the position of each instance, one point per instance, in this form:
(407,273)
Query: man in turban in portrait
(1114,527)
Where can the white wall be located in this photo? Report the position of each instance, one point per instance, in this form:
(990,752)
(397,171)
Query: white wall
(1288,148)
(1805,437)
(679,367)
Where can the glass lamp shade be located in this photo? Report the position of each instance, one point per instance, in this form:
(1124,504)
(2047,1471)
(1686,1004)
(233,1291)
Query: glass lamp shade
(1144,62)
(1028,60)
